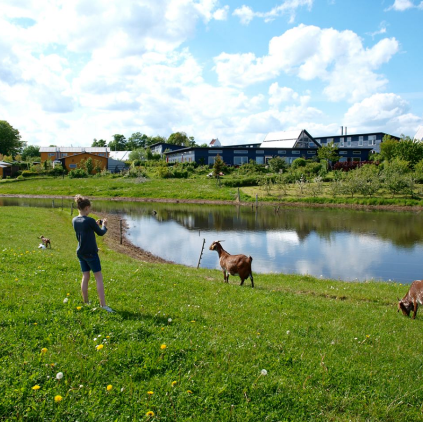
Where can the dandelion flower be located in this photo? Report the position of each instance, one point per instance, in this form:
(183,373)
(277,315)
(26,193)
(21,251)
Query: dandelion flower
(169,320)
(65,300)
(174,383)
(122,390)
(368,336)
(59,375)
(263,372)
(109,387)
(150,393)
(78,308)
(288,332)
(36,387)
(67,294)
(35,323)
(44,350)
(99,347)
(107,336)
(163,346)
(58,398)
(95,339)
(189,391)
(149,413)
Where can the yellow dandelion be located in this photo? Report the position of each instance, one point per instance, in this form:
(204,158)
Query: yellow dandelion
(163,346)
(174,383)
(192,321)
(367,336)
(107,336)
(67,294)
(109,387)
(36,387)
(44,350)
(79,308)
(189,391)
(35,323)
(58,398)
(99,347)
(52,365)
(149,413)
(150,393)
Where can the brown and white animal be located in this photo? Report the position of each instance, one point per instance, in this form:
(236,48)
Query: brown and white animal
(45,241)
(412,299)
(233,264)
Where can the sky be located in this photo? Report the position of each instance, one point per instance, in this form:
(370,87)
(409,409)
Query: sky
(72,71)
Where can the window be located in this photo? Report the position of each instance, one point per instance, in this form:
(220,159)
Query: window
(282,151)
(311,152)
(329,140)
(51,154)
(348,141)
(259,160)
(311,144)
(215,151)
(372,140)
(342,152)
(356,152)
(360,141)
(259,152)
(72,166)
(341,142)
(319,141)
(241,151)
(296,152)
(240,160)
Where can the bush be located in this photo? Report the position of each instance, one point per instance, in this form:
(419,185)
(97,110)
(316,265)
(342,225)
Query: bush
(239,182)
(298,162)
(78,174)
(29,173)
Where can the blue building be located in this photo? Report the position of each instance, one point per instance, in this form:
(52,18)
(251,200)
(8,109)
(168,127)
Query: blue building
(288,145)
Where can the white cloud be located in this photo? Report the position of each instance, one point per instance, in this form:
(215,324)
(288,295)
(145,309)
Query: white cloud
(401,5)
(336,57)
(289,7)
(387,112)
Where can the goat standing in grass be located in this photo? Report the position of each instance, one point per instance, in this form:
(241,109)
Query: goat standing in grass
(412,300)
(233,264)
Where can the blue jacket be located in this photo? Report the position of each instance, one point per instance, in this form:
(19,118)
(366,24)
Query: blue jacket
(85,227)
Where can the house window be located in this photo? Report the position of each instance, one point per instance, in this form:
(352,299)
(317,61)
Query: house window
(240,160)
(311,152)
(282,151)
(241,151)
(330,140)
(372,140)
(72,166)
(215,151)
(342,152)
(320,142)
(259,152)
(311,144)
(259,160)
(360,141)
(51,154)
(341,142)
(296,152)
(356,152)
(348,142)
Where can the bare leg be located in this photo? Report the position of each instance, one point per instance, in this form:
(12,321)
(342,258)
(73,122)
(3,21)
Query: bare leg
(100,287)
(84,285)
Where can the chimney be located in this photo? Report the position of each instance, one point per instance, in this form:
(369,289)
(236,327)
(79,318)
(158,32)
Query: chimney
(342,130)
(345,131)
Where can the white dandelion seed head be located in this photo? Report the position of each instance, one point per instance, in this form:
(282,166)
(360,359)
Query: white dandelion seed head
(288,332)
(263,372)
(65,300)
(95,339)
(169,320)
(59,375)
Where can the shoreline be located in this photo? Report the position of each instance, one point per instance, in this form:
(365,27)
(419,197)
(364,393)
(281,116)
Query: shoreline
(411,208)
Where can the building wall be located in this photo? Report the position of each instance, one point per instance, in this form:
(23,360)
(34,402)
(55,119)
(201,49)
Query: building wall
(239,156)
(1,172)
(57,155)
(72,162)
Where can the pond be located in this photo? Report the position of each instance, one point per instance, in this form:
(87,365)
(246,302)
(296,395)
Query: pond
(327,243)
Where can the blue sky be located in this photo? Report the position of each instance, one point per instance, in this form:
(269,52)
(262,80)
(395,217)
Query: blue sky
(74,71)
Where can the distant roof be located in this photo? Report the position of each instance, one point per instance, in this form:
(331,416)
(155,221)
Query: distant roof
(74,149)
(3,164)
(119,155)
(419,134)
(283,139)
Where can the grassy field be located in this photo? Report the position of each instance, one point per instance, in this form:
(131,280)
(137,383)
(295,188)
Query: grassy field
(184,346)
(200,188)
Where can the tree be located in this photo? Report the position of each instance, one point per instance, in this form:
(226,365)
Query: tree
(218,166)
(99,143)
(182,139)
(410,150)
(328,153)
(118,143)
(277,164)
(387,148)
(30,151)
(136,140)
(10,139)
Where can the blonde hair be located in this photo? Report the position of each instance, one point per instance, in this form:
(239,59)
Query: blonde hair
(82,202)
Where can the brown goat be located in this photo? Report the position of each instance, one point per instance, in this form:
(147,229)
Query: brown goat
(233,264)
(412,299)
(45,241)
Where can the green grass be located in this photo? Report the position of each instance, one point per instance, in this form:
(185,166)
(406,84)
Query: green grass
(332,350)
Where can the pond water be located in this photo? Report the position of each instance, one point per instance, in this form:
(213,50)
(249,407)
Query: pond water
(328,243)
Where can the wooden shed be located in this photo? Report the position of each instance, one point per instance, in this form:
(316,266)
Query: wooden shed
(73,162)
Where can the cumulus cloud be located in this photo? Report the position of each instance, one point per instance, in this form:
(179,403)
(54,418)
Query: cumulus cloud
(402,5)
(336,57)
(287,7)
(387,112)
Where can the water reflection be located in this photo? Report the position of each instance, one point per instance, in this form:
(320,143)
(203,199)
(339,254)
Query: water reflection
(332,243)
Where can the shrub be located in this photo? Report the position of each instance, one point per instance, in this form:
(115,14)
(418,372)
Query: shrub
(298,162)
(29,173)
(239,182)
(78,174)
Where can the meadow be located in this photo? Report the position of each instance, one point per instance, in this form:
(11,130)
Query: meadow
(184,346)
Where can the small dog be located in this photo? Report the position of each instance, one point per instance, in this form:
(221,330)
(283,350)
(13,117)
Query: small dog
(45,241)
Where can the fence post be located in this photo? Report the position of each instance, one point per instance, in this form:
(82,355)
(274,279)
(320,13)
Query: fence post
(71,209)
(120,224)
(201,253)
(52,203)
(256,201)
